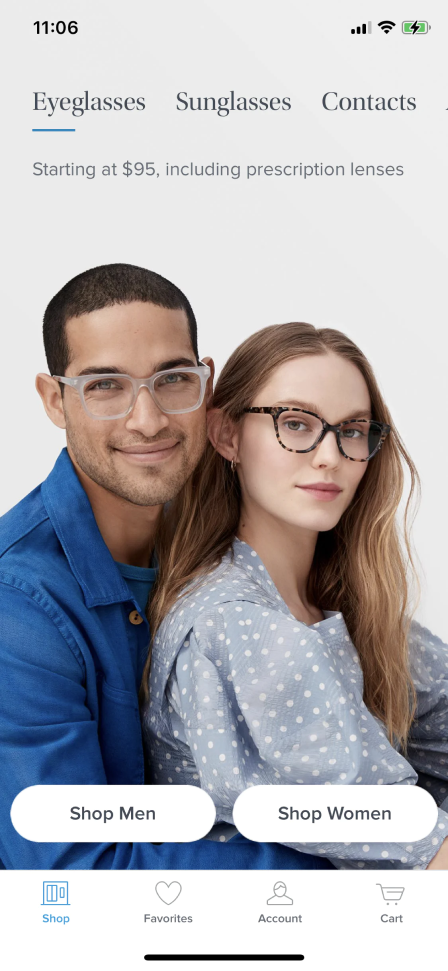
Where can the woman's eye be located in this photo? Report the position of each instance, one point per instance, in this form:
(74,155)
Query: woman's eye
(353,433)
(292,423)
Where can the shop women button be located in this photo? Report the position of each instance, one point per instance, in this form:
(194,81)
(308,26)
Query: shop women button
(333,814)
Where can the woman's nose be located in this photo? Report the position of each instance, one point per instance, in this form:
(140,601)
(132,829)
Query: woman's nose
(327,452)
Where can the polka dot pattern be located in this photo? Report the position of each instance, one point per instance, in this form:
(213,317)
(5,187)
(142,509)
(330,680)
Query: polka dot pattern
(243,694)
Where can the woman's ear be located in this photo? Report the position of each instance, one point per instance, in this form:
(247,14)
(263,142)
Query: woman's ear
(222,433)
(209,389)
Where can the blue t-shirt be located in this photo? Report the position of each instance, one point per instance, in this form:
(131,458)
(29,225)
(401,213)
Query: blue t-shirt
(140,580)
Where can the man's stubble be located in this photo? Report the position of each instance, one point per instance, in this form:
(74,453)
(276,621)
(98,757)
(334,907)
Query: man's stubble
(152,485)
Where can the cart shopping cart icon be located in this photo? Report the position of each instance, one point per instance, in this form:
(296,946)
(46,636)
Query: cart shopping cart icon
(391,893)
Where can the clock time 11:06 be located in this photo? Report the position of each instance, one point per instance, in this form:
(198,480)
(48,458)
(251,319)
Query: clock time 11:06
(60,27)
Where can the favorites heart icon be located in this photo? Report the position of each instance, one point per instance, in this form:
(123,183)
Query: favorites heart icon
(168,892)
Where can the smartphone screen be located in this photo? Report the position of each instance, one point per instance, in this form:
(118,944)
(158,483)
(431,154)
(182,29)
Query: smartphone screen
(223,635)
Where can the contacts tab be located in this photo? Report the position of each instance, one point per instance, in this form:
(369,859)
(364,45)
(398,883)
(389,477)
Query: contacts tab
(96,814)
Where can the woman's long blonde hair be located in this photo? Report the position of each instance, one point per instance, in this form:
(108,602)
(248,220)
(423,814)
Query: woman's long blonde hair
(359,567)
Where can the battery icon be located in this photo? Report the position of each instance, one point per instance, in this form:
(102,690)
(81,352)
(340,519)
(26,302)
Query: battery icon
(415,27)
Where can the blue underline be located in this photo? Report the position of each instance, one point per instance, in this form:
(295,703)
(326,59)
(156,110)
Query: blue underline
(53,129)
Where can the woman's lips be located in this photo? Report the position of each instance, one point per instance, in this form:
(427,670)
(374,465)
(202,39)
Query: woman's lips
(324,491)
(149,454)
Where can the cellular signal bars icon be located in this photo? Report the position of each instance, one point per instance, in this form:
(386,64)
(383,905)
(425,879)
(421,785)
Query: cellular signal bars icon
(363,29)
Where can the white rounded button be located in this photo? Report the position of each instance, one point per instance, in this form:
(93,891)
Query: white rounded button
(94,814)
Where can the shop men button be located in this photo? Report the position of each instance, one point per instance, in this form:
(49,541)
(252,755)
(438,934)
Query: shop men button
(135,617)
(126,814)
(105,815)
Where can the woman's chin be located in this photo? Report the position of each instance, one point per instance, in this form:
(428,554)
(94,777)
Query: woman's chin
(312,524)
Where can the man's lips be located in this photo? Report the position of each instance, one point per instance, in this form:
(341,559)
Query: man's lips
(144,449)
(153,452)
(325,491)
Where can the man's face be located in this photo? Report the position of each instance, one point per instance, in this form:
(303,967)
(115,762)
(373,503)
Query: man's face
(146,457)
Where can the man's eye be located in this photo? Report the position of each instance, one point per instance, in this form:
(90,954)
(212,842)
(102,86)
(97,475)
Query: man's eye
(105,385)
(175,377)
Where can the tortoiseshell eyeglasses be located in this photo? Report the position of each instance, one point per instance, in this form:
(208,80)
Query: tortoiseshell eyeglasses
(297,430)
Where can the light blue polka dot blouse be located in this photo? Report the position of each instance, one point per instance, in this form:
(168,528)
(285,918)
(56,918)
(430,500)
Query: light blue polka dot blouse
(243,694)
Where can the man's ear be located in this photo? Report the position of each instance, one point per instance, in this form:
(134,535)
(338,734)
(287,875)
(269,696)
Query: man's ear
(209,389)
(50,392)
(222,433)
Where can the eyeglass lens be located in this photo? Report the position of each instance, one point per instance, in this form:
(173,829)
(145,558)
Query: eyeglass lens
(299,432)
(113,395)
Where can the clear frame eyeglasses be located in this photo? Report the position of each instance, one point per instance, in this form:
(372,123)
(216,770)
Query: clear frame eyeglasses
(105,397)
(297,430)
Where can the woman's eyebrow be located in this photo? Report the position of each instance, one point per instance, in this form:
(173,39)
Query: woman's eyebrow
(310,406)
(307,405)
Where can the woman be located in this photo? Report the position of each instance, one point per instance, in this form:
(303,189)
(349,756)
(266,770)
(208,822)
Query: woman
(254,679)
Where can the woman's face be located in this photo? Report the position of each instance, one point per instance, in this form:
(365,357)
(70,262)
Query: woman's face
(288,486)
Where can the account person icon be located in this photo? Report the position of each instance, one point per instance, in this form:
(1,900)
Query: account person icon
(279,899)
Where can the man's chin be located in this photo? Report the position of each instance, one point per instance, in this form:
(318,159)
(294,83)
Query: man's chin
(146,492)
(148,483)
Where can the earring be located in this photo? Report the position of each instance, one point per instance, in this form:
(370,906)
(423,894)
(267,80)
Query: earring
(233,466)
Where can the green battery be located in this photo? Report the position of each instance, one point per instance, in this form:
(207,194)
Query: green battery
(415,27)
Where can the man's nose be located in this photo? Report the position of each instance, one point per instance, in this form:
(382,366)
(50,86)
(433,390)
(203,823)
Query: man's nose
(327,452)
(145,416)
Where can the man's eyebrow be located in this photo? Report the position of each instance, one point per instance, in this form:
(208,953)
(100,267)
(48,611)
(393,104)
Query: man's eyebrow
(101,369)
(309,406)
(163,366)
(176,362)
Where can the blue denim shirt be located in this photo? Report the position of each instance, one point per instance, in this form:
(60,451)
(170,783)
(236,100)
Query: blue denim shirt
(70,664)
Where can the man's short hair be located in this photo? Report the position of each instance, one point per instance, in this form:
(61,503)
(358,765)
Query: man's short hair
(104,286)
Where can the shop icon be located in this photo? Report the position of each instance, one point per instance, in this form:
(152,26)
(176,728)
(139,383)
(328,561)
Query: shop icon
(55,893)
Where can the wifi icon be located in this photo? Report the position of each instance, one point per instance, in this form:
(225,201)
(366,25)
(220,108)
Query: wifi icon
(386,26)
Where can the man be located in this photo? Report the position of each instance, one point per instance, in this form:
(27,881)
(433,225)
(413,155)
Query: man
(75,559)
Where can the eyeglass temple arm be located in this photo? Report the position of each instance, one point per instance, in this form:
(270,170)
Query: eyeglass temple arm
(62,380)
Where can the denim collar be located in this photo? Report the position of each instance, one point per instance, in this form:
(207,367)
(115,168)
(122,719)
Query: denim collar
(72,518)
